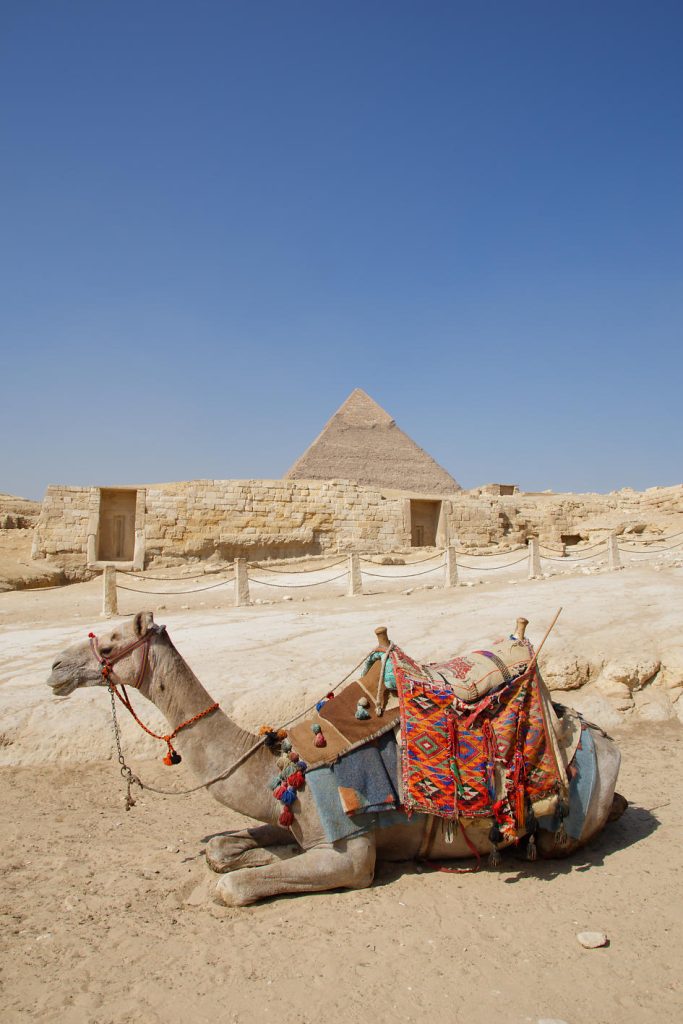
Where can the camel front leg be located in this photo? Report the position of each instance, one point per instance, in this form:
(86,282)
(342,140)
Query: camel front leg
(247,847)
(348,864)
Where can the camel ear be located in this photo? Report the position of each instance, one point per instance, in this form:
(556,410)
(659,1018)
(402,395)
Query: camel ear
(143,622)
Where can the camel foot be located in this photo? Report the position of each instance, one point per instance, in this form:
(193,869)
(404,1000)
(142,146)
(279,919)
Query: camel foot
(347,865)
(619,805)
(230,853)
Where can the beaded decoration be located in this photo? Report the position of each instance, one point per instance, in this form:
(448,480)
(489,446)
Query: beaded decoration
(317,731)
(362,708)
(291,775)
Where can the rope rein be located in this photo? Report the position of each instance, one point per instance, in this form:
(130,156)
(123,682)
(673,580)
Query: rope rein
(106,666)
(172,757)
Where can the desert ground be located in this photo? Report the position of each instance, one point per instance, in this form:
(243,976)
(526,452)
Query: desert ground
(108,915)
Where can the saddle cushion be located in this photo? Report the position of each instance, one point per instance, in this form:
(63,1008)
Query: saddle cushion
(474,675)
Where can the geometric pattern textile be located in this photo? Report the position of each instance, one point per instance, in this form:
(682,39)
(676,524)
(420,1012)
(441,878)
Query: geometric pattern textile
(489,758)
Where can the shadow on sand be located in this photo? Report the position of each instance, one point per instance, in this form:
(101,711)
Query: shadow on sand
(635,825)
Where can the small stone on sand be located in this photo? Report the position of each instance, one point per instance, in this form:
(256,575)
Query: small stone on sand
(592,940)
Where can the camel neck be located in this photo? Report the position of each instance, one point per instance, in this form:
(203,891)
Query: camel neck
(214,743)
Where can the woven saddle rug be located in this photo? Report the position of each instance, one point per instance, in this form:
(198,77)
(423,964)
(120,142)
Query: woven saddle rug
(491,757)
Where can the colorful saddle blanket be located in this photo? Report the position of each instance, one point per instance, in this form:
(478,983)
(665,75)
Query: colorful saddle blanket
(490,758)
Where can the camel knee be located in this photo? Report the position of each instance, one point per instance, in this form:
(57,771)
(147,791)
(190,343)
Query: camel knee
(619,805)
(363,860)
(226,853)
(234,890)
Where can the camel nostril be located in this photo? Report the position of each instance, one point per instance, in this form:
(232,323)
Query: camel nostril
(56,664)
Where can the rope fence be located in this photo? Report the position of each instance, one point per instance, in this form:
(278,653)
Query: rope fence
(402,575)
(417,561)
(569,558)
(170,593)
(297,586)
(288,572)
(492,568)
(655,551)
(447,561)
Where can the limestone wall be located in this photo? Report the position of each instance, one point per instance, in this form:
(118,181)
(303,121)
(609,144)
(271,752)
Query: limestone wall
(198,519)
(267,518)
(257,518)
(479,520)
(62,531)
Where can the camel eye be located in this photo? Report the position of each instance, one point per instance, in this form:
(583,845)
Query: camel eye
(106,650)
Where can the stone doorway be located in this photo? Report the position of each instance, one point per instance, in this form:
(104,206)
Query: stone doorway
(116,531)
(424,523)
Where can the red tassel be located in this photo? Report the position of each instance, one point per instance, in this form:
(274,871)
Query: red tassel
(296,780)
(277,793)
(286,817)
(520,801)
(320,740)
(520,808)
(330,695)
(293,756)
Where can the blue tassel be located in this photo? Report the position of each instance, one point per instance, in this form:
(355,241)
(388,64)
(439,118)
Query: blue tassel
(288,797)
(274,782)
(362,713)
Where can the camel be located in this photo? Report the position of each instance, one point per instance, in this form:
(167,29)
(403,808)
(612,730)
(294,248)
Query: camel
(257,862)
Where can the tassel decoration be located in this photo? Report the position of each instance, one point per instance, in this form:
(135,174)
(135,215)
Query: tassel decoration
(172,757)
(561,837)
(494,858)
(286,817)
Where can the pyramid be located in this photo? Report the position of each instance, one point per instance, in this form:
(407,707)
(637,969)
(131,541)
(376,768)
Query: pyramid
(361,442)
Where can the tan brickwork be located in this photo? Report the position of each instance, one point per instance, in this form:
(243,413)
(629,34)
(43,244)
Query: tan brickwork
(196,519)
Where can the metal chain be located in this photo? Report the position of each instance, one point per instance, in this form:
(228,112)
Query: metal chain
(132,779)
(126,772)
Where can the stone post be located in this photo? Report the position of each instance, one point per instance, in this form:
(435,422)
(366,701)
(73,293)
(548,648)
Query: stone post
(91,551)
(355,577)
(109,602)
(139,551)
(451,568)
(613,556)
(241,582)
(534,558)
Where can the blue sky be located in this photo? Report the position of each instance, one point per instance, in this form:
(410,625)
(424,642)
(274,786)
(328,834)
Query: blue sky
(218,218)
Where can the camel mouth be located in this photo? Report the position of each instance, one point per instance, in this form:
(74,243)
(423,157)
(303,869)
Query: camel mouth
(64,689)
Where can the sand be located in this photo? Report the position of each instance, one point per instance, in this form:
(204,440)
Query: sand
(107,916)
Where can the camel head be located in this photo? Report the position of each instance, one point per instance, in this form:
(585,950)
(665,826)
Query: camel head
(77,665)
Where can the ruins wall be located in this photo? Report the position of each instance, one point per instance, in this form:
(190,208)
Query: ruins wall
(198,519)
(257,518)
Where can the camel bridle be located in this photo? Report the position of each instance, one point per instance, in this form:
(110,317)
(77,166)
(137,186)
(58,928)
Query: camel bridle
(107,663)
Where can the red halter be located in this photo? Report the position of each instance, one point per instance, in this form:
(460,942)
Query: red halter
(106,663)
